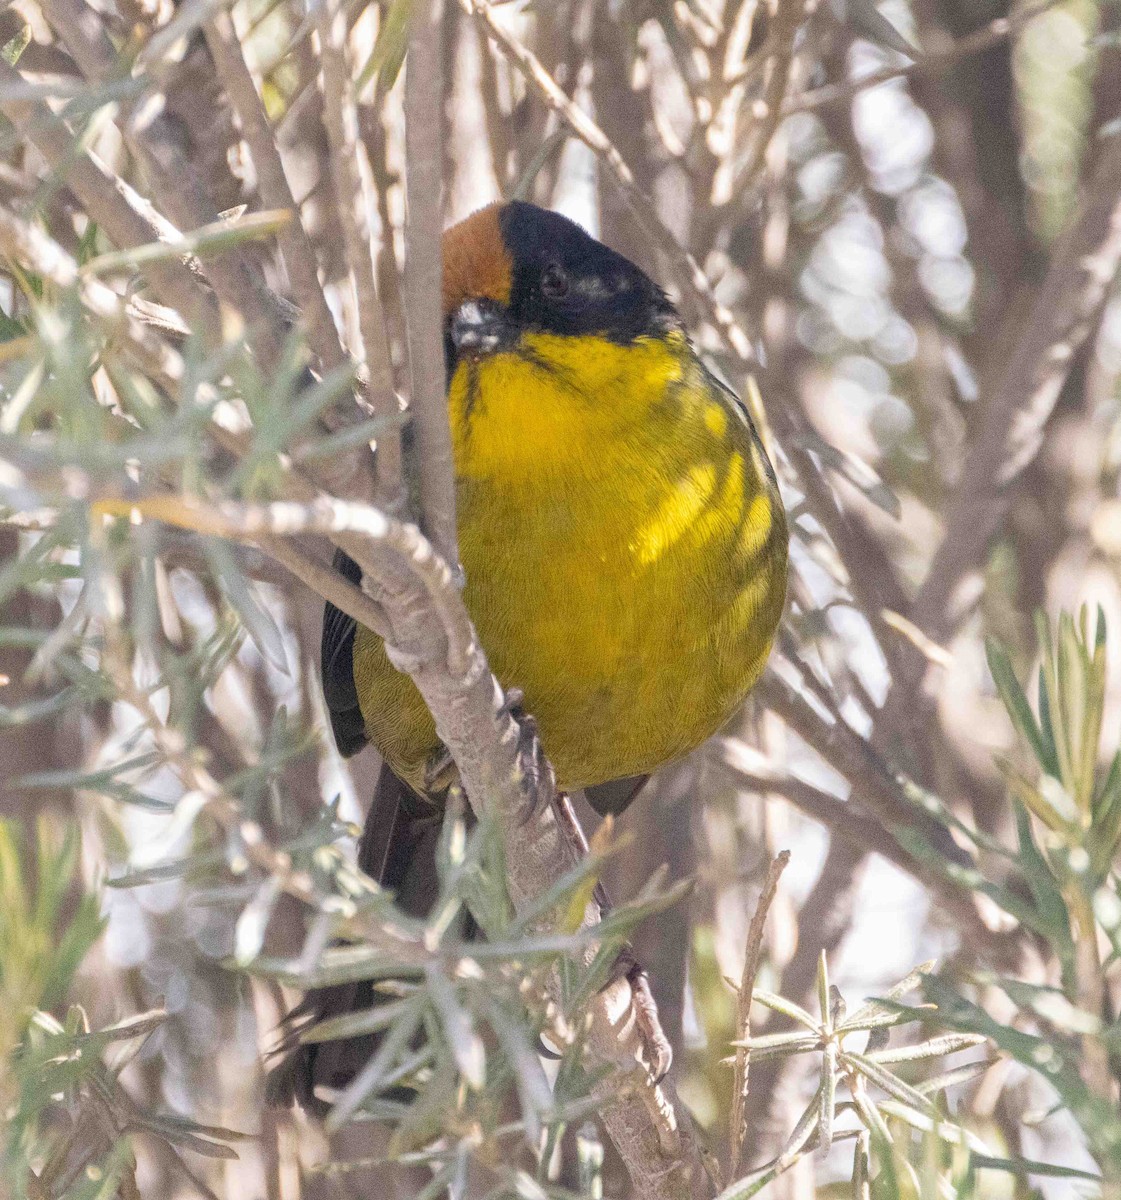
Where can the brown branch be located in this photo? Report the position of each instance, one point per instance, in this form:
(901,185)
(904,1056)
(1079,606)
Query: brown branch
(768,112)
(844,818)
(933,63)
(340,118)
(1019,395)
(108,203)
(690,278)
(737,1127)
(272,181)
(325,581)
(424,98)
(880,792)
(237,280)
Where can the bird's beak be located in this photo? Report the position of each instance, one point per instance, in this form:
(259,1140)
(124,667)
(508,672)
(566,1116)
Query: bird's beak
(480,327)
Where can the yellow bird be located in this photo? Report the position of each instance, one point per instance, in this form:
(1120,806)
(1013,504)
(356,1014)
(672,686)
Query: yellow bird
(624,543)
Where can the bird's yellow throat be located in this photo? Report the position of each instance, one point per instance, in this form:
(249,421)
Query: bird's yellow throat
(625,553)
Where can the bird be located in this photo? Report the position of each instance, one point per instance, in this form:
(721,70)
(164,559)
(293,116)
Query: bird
(623,543)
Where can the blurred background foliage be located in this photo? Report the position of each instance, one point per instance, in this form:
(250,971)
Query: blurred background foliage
(904,216)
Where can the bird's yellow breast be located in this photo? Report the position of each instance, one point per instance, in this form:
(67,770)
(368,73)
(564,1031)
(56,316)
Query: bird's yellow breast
(624,547)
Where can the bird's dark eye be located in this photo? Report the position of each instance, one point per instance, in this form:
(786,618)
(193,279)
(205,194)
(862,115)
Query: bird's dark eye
(554,282)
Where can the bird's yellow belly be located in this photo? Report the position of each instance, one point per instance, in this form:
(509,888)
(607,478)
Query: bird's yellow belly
(625,560)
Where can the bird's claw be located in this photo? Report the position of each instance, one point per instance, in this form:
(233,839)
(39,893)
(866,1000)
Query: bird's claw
(438,771)
(534,773)
(656,1047)
(655,1044)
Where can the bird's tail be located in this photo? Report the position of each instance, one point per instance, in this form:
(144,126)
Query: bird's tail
(398,849)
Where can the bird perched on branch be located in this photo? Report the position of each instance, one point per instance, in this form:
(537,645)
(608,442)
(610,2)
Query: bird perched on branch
(622,535)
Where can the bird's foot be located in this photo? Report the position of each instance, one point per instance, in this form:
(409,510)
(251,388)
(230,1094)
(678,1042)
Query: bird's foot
(657,1050)
(535,777)
(440,772)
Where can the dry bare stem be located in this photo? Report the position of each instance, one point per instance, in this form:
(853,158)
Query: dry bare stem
(932,63)
(236,279)
(1019,394)
(768,111)
(340,118)
(424,117)
(737,1127)
(272,182)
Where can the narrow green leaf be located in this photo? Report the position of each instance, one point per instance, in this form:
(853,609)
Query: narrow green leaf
(338,964)
(257,620)
(887,1082)
(389,49)
(947,1131)
(779,1041)
(883,1007)
(459,1028)
(823,992)
(954,1078)
(867,20)
(358,1023)
(12,50)
(211,239)
(1014,1165)
(787,1007)
(828,1093)
(374,1074)
(1015,702)
(938,1047)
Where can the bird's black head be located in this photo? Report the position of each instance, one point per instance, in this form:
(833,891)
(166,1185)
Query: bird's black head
(515,268)
(564,281)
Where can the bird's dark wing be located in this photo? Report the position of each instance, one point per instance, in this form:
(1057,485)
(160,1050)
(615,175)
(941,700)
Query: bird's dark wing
(398,849)
(337,664)
(615,795)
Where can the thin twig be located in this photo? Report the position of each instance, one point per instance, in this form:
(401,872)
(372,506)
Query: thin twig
(768,110)
(737,1126)
(934,63)
(424,99)
(107,203)
(842,817)
(265,522)
(690,278)
(325,581)
(238,281)
(1019,397)
(272,181)
(340,118)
